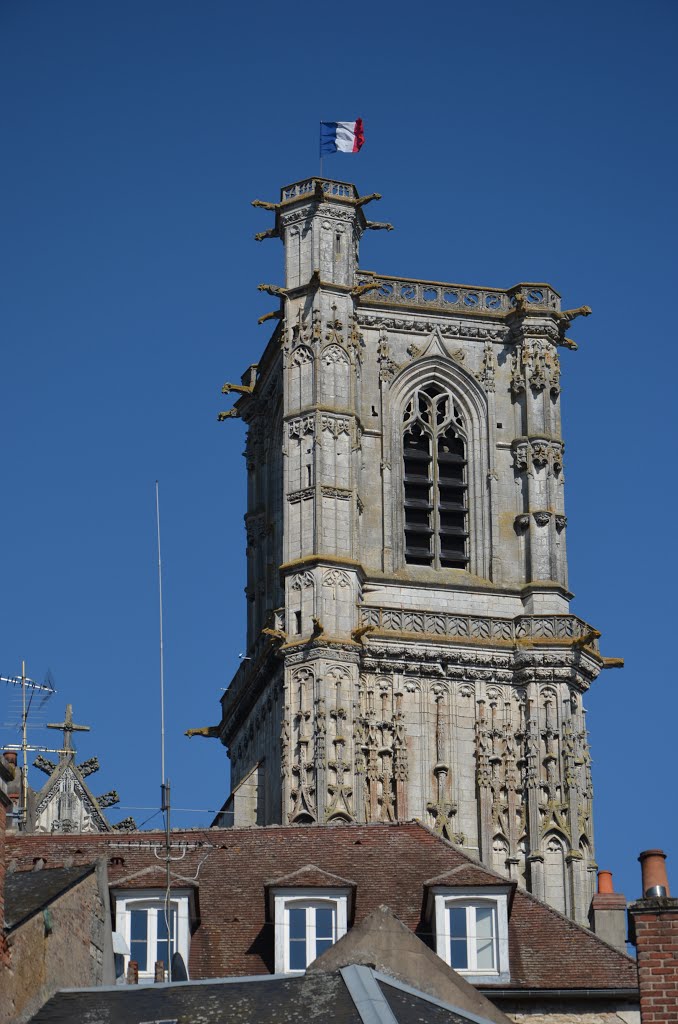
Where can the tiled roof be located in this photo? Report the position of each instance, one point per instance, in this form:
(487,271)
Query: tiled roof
(27,892)
(390,865)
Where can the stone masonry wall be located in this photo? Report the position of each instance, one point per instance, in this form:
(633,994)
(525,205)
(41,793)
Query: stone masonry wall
(71,955)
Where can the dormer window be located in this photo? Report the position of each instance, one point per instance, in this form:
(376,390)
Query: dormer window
(435,486)
(152,930)
(311,927)
(307,922)
(471,931)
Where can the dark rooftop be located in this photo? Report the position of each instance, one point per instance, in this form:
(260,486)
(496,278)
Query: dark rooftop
(27,892)
(354,995)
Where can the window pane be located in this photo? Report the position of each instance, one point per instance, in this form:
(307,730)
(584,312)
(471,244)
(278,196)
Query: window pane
(297,923)
(162,952)
(485,932)
(459,954)
(458,922)
(298,955)
(321,945)
(138,937)
(324,923)
(485,954)
(484,922)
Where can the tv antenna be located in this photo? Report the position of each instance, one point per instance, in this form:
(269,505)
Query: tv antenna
(164,781)
(28,686)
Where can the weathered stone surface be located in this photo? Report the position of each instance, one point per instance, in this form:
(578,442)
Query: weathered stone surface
(380,689)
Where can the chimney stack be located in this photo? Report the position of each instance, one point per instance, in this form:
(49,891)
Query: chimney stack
(653,867)
(653,929)
(607,914)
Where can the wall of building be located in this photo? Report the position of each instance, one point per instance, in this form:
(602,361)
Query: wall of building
(73,951)
(573,1014)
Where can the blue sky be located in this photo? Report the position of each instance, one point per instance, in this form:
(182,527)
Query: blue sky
(511,142)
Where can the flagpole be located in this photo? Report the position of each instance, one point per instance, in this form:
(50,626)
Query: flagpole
(320,144)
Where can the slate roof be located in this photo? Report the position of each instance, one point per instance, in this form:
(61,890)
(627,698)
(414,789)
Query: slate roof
(390,864)
(354,995)
(27,892)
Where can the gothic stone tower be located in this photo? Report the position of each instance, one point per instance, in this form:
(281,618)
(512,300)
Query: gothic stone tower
(410,648)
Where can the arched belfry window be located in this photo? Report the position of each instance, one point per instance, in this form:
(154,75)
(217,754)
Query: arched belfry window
(434,474)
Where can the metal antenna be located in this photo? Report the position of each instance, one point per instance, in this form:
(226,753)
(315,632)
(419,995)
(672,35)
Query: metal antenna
(162,657)
(164,781)
(25,683)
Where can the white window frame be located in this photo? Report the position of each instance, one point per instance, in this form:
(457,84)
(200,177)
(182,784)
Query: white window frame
(284,899)
(153,900)
(496,897)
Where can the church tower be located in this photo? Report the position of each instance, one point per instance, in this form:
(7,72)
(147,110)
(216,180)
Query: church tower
(411,653)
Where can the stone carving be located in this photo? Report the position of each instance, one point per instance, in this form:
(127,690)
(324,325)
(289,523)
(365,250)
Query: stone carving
(335,425)
(301,355)
(126,825)
(561,523)
(343,493)
(305,492)
(387,366)
(302,580)
(542,517)
(336,578)
(537,452)
(487,368)
(302,426)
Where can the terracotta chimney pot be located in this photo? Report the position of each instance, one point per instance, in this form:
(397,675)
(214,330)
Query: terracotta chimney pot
(653,867)
(605,883)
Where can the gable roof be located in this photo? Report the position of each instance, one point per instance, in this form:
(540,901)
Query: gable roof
(390,864)
(28,892)
(311,876)
(50,792)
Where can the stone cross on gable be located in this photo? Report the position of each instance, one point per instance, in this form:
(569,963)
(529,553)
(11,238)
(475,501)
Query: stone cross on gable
(68,727)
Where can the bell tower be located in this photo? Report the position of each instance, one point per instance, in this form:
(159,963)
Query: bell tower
(411,653)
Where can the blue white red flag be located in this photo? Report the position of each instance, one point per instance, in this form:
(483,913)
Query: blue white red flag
(341,136)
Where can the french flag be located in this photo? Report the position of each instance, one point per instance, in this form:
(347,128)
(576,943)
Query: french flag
(341,136)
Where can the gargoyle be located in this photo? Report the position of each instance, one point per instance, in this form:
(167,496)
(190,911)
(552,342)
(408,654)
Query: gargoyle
(568,315)
(587,638)
(209,731)
(272,289)
(613,662)
(360,289)
(521,303)
(378,225)
(271,233)
(359,633)
(275,634)
(229,414)
(318,628)
(242,389)
(277,314)
(363,200)
(265,206)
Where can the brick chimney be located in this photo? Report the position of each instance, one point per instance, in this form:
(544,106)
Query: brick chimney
(607,914)
(653,929)
(6,775)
